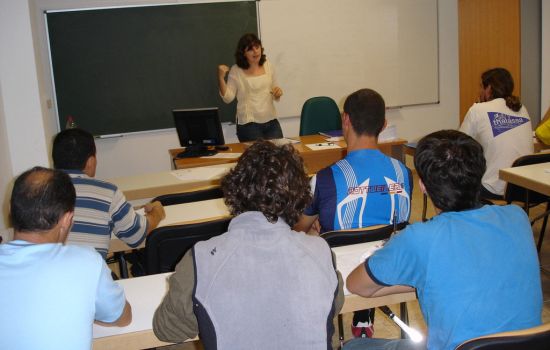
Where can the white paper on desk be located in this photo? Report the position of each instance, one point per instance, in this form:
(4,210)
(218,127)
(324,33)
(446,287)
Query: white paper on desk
(283,141)
(201,173)
(321,146)
(349,257)
(388,134)
(225,155)
(335,138)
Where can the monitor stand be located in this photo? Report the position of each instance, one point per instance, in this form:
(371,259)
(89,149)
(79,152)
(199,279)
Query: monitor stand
(196,151)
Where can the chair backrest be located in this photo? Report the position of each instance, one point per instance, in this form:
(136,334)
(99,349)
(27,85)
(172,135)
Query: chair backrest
(192,196)
(319,114)
(165,246)
(366,234)
(517,193)
(536,338)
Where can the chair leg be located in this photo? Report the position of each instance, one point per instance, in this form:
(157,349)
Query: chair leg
(341,330)
(404,317)
(119,256)
(543,228)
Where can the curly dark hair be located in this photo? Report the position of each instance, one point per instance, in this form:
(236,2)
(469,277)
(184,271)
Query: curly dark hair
(270,179)
(246,42)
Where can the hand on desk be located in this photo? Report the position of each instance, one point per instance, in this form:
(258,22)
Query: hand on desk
(154,212)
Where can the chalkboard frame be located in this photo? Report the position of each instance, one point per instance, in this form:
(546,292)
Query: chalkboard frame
(140,109)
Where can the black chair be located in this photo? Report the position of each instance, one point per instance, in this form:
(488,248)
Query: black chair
(536,338)
(192,196)
(364,235)
(515,193)
(165,246)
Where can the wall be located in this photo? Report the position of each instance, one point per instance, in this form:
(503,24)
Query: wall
(30,122)
(530,57)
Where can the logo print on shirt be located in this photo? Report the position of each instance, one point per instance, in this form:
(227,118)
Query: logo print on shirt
(501,122)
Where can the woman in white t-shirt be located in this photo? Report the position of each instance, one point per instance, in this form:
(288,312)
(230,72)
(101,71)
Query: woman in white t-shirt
(252,80)
(501,124)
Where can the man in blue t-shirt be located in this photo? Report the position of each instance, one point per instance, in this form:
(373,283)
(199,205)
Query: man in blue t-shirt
(52,293)
(474,267)
(365,188)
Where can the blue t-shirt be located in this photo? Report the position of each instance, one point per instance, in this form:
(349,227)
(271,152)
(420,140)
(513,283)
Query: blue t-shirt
(51,294)
(476,272)
(366,188)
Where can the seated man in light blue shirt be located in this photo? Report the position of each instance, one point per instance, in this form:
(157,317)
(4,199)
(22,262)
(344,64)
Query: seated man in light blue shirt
(474,267)
(52,293)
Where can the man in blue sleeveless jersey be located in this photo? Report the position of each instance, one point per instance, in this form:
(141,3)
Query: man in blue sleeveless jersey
(101,208)
(366,187)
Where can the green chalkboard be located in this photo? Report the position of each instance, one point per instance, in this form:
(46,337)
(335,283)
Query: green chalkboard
(122,70)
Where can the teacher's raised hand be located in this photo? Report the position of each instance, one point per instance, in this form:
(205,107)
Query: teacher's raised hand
(222,71)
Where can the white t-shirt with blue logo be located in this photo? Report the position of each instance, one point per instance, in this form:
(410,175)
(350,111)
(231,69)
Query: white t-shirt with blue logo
(504,134)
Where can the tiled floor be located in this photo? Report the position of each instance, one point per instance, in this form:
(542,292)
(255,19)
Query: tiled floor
(385,328)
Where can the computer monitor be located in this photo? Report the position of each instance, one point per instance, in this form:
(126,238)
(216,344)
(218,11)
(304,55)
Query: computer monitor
(197,130)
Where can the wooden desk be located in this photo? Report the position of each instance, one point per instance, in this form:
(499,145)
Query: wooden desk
(146,293)
(314,160)
(532,177)
(187,213)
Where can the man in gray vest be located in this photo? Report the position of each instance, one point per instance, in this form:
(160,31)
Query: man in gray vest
(261,285)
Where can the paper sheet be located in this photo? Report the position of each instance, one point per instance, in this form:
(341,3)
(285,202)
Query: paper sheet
(225,155)
(321,146)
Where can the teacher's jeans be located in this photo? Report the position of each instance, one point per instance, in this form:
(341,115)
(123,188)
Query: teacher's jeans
(255,131)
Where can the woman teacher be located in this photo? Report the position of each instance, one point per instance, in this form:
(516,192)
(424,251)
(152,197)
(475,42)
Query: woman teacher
(252,80)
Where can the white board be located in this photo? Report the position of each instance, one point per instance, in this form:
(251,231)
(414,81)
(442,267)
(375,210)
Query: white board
(334,47)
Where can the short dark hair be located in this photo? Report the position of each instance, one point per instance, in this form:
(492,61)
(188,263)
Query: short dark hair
(367,112)
(40,197)
(72,148)
(451,165)
(246,42)
(502,86)
(270,179)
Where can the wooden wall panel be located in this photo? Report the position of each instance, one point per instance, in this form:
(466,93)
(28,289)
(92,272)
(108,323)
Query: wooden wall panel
(489,36)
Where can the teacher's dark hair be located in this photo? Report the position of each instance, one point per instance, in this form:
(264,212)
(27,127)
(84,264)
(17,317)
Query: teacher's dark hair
(270,179)
(451,165)
(40,197)
(72,148)
(246,42)
(367,112)
(502,86)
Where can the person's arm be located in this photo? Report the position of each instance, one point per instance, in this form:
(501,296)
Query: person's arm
(306,224)
(154,213)
(111,306)
(276,91)
(174,319)
(122,321)
(222,72)
(359,282)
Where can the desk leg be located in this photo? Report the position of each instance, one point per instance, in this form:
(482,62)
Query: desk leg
(404,317)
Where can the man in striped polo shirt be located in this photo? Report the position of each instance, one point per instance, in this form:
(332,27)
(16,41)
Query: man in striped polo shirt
(101,209)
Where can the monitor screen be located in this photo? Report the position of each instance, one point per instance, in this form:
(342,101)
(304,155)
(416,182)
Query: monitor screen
(199,126)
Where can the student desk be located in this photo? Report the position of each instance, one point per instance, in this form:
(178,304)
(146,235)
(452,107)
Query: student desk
(146,293)
(187,213)
(534,177)
(156,184)
(314,160)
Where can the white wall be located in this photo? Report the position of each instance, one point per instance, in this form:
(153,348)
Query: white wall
(23,142)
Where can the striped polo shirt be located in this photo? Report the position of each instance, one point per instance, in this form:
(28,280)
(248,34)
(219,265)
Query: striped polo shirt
(101,210)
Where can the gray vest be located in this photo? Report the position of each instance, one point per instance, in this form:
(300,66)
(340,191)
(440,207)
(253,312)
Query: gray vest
(264,286)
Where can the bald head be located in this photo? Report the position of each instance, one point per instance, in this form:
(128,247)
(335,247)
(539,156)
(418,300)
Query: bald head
(39,199)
